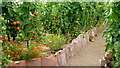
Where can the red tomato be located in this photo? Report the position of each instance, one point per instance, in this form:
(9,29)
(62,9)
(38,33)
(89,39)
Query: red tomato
(17,22)
(33,36)
(17,28)
(1,37)
(1,41)
(5,38)
(35,14)
(14,23)
(90,38)
(38,19)
(55,21)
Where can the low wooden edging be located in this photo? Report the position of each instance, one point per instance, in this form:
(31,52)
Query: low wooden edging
(61,57)
(106,61)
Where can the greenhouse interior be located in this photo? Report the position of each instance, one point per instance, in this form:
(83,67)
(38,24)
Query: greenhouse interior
(60,33)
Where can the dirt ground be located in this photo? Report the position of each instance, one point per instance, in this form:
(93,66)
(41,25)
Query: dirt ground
(91,54)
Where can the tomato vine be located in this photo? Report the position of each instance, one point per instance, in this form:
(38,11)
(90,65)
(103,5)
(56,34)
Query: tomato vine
(113,34)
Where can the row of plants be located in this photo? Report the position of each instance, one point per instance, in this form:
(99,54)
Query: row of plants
(113,33)
(31,29)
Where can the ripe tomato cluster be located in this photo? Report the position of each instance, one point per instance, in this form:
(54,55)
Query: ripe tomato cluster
(5,38)
(91,38)
(16,23)
(55,20)
(33,35)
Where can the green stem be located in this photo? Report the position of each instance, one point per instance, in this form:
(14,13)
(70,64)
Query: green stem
(27,43)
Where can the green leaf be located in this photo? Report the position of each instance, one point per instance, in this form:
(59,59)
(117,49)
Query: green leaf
(32,10)
(115,34)
(11,12)
(114,16)
(116,43)
(116,64)
(25,10)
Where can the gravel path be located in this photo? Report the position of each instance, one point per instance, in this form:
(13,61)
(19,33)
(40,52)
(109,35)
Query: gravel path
(91,54)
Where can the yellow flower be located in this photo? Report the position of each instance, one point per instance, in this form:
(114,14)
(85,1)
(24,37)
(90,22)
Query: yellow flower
(20,46)
(13,58)
(39,48)
(54,35)
(19,49)
(34,42)
(34,51)
(41,43)
(25,53)
(18,56)
(12,52)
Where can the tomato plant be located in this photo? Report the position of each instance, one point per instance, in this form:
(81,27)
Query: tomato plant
(70,22)
(31,21)
(113,33)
